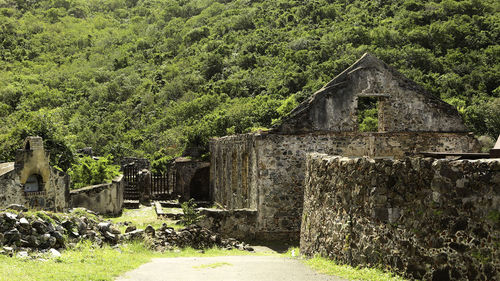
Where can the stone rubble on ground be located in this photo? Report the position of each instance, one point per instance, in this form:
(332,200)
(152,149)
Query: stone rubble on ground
(166,238)
(23,236)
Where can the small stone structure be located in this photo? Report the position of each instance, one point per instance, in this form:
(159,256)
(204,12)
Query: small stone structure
(191,179)
(265,171)
(428,219)
(106,198)
(31,181)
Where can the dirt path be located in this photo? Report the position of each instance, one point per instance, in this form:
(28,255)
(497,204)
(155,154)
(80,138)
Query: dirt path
(240,268)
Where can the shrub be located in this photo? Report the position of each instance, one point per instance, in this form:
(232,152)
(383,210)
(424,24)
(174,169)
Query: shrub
(191,214)
(88,171)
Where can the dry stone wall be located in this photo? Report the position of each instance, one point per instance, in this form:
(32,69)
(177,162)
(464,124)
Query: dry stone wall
(428,219)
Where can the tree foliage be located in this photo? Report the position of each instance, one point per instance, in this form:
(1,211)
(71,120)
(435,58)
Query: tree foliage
(139,77)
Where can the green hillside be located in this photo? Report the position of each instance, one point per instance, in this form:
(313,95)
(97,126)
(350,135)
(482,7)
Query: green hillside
(151,78)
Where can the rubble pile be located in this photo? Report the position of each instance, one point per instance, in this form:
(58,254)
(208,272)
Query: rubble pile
(20,232)
(166,238)
(45,232)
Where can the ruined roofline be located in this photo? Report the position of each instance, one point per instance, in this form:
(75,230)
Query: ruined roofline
(264,134)
(366,61)
(6,168)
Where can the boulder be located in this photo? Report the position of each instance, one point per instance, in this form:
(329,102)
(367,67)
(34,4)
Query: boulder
(130,228)
(40,226)
(54,253)
(149,230)
(12,236)
(104,226)
(10,218)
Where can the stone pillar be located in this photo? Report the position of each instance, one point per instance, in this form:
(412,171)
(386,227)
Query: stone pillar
(144,186)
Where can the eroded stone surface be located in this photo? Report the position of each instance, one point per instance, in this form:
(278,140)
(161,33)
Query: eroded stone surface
(429,219)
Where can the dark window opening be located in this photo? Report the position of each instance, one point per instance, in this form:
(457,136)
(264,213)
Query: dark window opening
(27,147)
(34,183)
(368,114)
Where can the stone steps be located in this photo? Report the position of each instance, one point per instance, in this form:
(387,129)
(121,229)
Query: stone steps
(131,204)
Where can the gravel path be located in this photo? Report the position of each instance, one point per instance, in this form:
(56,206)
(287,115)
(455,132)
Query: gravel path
(240,268)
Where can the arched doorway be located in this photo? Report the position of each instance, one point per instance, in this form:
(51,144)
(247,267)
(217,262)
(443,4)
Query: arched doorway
(199,185)
(34,183)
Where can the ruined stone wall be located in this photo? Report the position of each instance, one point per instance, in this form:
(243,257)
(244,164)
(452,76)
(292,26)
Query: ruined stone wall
(104,198)
(428,219)
(276,168)
(404,106)
(59,183)
(233,172)
(53,197)
(281,162)
(238,223)
(11,190)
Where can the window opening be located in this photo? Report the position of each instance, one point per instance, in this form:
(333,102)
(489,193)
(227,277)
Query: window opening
(368,114)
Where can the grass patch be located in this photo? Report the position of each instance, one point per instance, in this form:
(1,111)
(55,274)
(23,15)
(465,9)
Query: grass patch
(330,267)
(86,262)
(82,263)
(212,265)
(141,218)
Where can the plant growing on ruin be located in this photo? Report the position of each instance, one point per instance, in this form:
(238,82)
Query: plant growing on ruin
(191,213)
(88,171)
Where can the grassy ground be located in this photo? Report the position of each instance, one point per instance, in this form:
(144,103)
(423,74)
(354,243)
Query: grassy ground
(88,263)
(141,218)
(326,266)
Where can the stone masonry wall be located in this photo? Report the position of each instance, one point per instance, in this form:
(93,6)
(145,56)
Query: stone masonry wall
(238,223)
(404,106)
(104,198)
(271,180)
(428,219)
(233,172)
(54,197)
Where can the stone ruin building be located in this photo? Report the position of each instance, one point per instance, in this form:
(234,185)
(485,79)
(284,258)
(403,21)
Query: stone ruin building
(183,179)
(260,176)
(31,181)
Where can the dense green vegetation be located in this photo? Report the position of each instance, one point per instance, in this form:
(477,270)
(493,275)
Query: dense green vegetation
(88,171)
(154,77)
